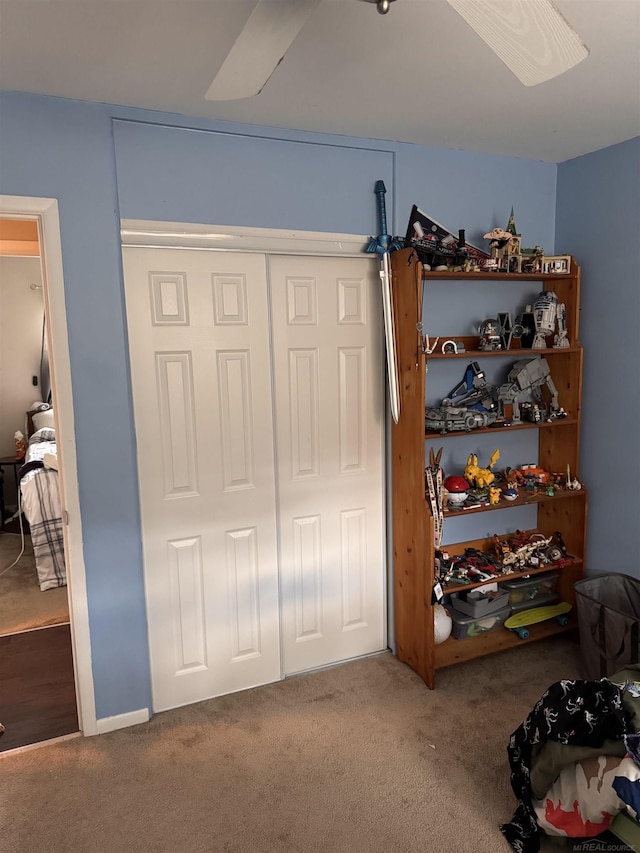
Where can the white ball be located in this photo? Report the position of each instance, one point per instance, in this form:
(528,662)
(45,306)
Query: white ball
(441,624)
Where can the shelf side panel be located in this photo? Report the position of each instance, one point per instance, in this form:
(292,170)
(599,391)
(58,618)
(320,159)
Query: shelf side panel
(412,593)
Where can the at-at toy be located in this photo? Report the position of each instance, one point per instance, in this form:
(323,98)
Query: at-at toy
(527,377)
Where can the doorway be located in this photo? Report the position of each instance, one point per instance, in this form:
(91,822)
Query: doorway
(46,690)
(36,665)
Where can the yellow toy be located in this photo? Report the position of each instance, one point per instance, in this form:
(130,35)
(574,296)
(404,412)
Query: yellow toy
(494,495)
(480,477)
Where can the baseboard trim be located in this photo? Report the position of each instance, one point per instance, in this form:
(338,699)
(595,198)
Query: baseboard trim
(122,721)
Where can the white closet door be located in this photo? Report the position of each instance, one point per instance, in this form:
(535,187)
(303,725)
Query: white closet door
(329,403)
(200,363)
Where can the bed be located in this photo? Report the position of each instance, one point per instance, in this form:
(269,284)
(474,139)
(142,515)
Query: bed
(40,499)
(575,763)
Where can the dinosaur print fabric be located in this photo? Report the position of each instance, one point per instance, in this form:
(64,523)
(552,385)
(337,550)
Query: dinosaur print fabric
(584,713)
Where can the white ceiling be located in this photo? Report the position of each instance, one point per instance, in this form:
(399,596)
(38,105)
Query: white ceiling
(418,74)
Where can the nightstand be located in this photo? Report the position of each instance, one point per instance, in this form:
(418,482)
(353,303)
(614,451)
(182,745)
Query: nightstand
(8,462)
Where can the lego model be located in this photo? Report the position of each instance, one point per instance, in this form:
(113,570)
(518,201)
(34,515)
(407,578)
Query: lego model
(554,264)
(548,314)
(491,338)
(470,405)
(499,240)
(532,259)
(474,392)
(497,334)
(480,478)
(475,403)
(438,248)
(455,418)
(526,377)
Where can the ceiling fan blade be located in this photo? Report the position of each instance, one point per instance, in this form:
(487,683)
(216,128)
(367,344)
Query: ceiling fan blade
(269,32)
(530,36)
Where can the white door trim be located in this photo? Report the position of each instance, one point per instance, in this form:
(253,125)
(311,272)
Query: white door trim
(147,233)
(45,212)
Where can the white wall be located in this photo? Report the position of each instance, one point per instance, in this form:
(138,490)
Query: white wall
(21,317)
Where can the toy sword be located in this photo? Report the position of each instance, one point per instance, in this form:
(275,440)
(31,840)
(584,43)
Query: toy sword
(383,246)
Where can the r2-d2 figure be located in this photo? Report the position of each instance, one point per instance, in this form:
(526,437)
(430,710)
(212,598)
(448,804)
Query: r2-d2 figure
(549,314)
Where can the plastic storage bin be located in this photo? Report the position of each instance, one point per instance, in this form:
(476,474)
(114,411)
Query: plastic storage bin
(530,603)
(531,589)
(608,608)
(470,626)
(477,603)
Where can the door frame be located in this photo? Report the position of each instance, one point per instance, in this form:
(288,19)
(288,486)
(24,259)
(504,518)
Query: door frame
(44,211)
(148,233)
(271,241)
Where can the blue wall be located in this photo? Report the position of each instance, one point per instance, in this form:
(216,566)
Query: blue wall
(598,221)
(101,162)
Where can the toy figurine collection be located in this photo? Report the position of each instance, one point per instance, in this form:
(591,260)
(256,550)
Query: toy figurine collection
(475,403)
(526,394)
(439,249)
(479,487)
(517,553)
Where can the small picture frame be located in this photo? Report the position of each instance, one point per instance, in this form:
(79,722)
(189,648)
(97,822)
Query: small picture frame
(554,264)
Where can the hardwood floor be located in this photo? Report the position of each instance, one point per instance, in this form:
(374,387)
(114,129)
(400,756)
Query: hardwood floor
(37,690)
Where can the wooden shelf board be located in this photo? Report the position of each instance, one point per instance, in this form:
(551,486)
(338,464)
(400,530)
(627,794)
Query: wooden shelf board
(528,500)
(480,277)
(454,651)
(449,588)
(475,354)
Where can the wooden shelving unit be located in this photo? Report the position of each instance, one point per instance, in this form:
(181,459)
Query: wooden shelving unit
(558,446)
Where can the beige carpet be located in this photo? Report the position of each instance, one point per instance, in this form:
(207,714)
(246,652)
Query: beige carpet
(22,604)
(359,758)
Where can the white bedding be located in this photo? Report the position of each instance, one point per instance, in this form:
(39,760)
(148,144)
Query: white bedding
(40,501)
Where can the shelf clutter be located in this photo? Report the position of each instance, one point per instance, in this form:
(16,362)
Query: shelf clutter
(541,392)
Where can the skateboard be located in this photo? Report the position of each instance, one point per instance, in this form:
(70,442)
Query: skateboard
(520,621)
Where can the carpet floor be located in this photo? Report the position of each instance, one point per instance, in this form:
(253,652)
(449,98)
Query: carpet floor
(22,604)
(357,758)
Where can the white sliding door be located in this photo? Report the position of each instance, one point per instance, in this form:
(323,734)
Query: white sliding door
(329,404)
(199,342)
(262,519)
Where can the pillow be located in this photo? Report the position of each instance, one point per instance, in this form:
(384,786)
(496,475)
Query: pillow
(627,781)
(34,409)
(582,801)
(41,420)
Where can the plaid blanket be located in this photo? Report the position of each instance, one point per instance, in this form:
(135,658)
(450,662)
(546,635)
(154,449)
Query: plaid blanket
(40,500)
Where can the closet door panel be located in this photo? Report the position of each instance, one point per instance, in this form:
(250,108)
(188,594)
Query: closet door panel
(201,376)
(329,403)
